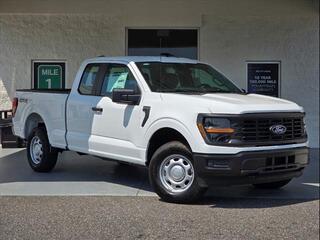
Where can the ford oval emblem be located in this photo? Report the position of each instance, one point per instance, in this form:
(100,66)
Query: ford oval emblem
(278,129)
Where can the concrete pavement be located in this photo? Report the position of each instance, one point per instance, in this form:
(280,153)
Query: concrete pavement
(76,175)
(87,198)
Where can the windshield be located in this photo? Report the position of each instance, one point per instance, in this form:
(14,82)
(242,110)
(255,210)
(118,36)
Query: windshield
(185,77)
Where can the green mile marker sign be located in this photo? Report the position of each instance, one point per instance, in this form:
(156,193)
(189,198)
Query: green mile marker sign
(49,75)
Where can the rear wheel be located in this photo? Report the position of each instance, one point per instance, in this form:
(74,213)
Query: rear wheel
(272,185)
(41,156)
(172,174)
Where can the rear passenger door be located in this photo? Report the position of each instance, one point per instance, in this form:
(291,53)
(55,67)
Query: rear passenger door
(80,108)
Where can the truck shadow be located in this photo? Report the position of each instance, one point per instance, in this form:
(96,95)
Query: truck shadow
(72,167)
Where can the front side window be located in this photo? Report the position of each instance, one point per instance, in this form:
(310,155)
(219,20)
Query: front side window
(88,79)
(118,76)
(185,77)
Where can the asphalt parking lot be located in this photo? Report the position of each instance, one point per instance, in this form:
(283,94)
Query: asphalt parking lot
(87,198)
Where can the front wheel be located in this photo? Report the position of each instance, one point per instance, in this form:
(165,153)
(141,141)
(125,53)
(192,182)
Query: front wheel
(41,156)
(172,174)
(272,185)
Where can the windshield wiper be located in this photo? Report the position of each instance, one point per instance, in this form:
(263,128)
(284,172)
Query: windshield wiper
(218,91)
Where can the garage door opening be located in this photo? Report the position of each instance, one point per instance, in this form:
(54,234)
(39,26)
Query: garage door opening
(154,42)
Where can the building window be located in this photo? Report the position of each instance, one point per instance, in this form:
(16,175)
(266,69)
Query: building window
(154,42)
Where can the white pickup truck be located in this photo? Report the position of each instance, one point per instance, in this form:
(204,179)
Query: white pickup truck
(181,118)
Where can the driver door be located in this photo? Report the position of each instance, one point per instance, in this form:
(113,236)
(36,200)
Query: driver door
(117,125)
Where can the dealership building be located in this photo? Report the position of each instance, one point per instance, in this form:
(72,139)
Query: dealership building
(264,46)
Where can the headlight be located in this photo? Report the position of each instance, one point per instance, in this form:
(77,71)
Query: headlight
(215,129)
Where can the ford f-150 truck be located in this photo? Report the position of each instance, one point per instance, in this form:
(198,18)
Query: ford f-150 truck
(184,120)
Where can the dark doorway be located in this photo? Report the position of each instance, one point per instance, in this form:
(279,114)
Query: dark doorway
(154,42)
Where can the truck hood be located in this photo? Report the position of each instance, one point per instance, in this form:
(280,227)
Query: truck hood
(230,103)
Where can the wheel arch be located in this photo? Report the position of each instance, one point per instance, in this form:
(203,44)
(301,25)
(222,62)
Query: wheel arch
(164,135)
(32,121)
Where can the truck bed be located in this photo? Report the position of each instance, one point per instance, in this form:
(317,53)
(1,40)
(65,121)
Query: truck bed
(47,104)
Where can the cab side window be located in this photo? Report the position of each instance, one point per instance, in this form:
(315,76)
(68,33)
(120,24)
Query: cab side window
(118,76)
(88,79)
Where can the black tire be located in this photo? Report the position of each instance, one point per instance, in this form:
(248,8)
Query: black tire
(20,143)
(193,193)
(47,160)
(272,185)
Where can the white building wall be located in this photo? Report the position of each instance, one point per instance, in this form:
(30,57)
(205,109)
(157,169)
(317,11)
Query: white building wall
(231,33)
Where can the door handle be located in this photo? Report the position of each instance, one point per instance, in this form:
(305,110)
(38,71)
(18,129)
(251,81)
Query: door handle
(96,109)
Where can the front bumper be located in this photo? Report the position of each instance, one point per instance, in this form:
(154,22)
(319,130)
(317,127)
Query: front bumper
(250,167)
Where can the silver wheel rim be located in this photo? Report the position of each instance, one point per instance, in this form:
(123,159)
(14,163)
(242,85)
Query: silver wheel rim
(36,150)
(176,173)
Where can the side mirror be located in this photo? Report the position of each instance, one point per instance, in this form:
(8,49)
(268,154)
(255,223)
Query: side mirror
(126,96)
(243,90)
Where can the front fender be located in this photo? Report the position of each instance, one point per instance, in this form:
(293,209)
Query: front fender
(168,123)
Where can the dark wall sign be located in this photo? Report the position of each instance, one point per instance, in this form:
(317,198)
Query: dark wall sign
(49,75)
(264,78)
